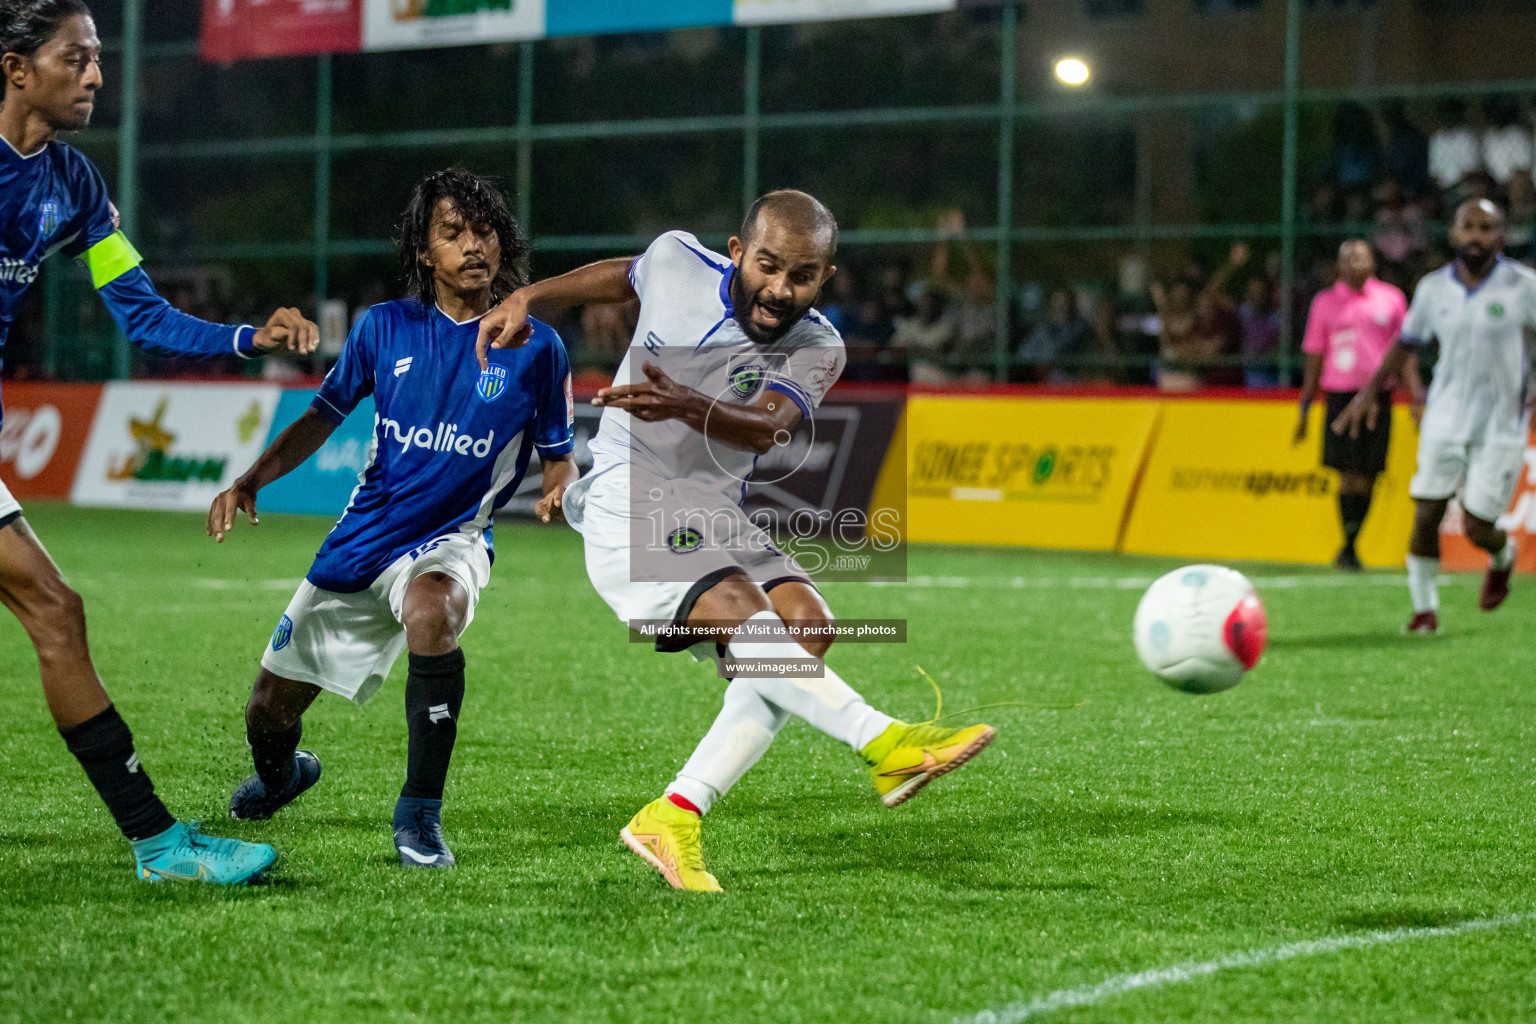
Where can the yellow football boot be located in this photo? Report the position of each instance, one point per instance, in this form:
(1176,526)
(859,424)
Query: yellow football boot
(905,758)
(667,836)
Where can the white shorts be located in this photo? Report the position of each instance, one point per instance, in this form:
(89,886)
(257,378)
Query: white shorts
(1487,474)
(347,643)
(9,506)
(677,573)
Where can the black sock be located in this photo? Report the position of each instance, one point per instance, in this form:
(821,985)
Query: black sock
(104,747)
(1353,509)
(434,693)
(273,754)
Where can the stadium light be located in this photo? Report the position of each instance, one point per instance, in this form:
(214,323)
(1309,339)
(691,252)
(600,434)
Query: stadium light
(1072,71)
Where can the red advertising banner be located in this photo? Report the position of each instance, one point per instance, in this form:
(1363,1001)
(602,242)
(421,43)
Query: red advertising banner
(1458,554)
(44,434)
(236,29)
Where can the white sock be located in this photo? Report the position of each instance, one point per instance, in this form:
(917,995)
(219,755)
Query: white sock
(740,735)
(1421,583)
(756,708)
(1505,558)
(828,704)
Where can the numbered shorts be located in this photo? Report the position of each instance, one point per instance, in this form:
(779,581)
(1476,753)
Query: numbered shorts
(669,576)
(1486,473)
(10,508)
(347,643)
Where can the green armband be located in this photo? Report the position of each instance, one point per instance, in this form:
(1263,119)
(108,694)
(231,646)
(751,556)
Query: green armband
(111,258)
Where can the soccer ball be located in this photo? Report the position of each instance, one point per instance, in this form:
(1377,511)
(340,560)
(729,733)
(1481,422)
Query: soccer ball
(1200,628)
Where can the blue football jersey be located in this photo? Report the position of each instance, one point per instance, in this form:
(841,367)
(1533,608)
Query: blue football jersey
(450,443)
(55,200)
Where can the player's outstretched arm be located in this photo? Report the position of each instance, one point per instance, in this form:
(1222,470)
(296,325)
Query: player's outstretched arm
(288,329)
(1362,409)
(506,326)
(154,324)
(290,448)
(559,473)
(757,427)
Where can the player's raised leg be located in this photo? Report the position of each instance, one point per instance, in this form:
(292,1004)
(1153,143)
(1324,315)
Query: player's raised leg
(901,757)
(1424,564)
(54,618)
(435,612)
(1501,559)
(274,724)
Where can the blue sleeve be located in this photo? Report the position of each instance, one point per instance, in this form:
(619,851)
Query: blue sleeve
(554,423)
(96,218)
(351,379)
(154,324)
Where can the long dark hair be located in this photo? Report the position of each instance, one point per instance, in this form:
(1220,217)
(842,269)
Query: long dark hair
(480,203)
(25,25)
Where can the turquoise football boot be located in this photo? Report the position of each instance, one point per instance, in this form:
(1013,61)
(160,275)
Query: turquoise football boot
(183,854)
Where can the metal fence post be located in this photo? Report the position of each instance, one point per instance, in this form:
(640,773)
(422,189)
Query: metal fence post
(752,110)
(525,136)
(128,154)
(1288,187)
(322,181)
(1008,100)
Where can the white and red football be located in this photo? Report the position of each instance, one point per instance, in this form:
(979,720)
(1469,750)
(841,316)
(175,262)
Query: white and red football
(1200,628)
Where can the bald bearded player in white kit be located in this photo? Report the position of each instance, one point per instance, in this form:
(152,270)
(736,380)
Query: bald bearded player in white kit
(749,361)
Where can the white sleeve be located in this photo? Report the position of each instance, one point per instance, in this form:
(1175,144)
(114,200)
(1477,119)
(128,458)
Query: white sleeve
(1417,329)
(808,372)
(1529,295)
(643,269)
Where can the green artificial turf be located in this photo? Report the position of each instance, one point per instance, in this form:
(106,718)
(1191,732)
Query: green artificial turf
(1358,780)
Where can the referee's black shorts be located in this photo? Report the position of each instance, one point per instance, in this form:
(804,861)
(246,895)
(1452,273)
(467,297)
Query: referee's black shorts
(1366,454)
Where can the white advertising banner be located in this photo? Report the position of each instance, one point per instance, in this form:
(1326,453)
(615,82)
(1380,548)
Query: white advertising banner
(406,24)
(766,12)
(171,446)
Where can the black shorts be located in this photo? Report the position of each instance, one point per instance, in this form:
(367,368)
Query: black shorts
(1366,454)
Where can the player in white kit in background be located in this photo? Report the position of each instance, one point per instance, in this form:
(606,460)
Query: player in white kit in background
(728,360)
(1481,309)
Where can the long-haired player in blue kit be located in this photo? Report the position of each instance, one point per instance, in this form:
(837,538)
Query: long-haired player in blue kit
(404,567)
(52,199)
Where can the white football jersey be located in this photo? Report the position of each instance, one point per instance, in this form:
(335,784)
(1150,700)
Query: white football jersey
(1479,394)
(687,329)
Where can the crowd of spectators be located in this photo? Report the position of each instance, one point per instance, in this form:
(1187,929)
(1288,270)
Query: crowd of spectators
(932,316)
(1400,175)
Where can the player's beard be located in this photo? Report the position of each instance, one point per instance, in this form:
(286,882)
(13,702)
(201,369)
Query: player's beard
(742,302)
(1478,260)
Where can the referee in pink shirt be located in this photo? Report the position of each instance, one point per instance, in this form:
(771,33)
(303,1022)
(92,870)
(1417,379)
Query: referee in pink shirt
(1349,329)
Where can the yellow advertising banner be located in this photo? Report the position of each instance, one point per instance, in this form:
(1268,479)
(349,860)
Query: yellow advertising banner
(1225,481)
(1041,472)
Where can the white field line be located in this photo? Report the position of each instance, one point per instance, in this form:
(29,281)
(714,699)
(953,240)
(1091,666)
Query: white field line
(215,584)
(1121,984)
(1142,582)
(197,583)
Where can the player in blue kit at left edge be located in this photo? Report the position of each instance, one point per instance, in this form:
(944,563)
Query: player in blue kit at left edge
(404,566)
(52,199)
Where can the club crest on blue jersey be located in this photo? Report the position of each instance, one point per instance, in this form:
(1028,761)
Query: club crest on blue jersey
(747,380)
(492,383)
(49,216)
(282,634)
